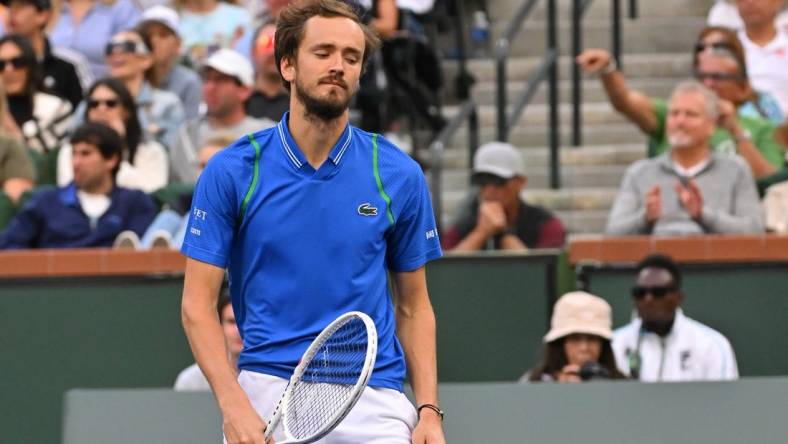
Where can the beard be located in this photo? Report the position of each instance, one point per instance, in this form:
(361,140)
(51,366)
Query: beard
(325,108)
(680,141)
(659,326)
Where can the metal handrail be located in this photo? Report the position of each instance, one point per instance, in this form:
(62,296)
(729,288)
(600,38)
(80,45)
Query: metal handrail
(438,146)
(547,70)
(579,8)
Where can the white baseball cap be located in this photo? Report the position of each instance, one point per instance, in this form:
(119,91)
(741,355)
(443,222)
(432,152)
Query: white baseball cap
(499,159)
(580,312)
(164,15)
(233,64)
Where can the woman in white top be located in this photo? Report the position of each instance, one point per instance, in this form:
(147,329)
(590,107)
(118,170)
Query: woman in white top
(145,163)
(43,119)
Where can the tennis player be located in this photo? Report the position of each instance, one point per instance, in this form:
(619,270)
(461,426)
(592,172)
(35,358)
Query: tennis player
(309,217)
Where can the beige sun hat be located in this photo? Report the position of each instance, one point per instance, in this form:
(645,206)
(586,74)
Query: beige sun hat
(580,312)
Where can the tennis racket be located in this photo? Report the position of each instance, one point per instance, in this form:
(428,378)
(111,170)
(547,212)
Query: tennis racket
(328,381)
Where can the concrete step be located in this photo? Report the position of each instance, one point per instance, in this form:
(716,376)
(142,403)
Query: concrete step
(653,65)
(584,221)
(537,114)
(535,136)
(504,10)
(572,176)
(484,93)
(644,35)
(622,154)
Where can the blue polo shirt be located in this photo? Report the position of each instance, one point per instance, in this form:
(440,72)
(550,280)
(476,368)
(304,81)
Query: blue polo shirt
(303,246)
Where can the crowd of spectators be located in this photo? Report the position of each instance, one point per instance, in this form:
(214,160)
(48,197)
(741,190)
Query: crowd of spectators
(174,80)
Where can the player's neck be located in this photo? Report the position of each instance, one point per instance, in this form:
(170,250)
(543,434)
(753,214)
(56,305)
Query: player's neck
(315,137)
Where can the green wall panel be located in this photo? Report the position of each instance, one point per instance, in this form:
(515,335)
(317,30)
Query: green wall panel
(59,334)
(492,311)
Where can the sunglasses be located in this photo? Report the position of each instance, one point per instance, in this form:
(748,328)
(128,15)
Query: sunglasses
(484,179)
(718,76)
(110,103)
(125,47)
(715,46)
(639,292)
(16,63)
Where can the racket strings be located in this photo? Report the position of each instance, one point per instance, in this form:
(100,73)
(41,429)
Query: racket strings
(328,380)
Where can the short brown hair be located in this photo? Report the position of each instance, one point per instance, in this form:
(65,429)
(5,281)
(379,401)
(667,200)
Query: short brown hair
(292,19)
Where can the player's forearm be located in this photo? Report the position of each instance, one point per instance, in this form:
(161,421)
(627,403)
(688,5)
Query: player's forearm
(206,339)
(416,331)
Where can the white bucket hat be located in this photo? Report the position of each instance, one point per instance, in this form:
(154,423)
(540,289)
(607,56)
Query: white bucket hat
(580,312)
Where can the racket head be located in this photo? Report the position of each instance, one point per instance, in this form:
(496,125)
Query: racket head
(330,378)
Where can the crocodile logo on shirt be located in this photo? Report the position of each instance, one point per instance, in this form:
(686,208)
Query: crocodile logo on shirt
(366,209)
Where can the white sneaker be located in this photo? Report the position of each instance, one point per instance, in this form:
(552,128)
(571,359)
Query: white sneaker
(127,240)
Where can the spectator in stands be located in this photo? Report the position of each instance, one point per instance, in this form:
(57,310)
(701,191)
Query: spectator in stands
(753,139)
(719,64)
(662,344)
(766,47)
(191,379)
(577,347)
(228,79)
(498,218)
(144,162)
(42,118)
(87,25)
(17,174)
(89,212)
(169,228)
(16,170)
(209,25)
(270,98)
(725,13)
(160,112)
(159,29)
(689,189)
(29,18)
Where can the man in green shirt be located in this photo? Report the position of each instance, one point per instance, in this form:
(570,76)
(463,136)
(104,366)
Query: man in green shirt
(752,139)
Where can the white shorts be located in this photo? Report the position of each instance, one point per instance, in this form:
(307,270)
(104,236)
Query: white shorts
(381,416)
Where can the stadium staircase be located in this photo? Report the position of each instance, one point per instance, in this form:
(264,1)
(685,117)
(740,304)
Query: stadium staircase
(656,54)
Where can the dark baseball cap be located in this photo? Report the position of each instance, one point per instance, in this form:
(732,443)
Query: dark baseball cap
(40,4)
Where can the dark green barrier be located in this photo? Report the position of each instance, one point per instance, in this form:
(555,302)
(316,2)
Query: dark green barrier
(492,311)
(59,334)
(748,303)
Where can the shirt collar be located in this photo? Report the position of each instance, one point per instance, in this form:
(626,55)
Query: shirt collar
(666,162)
(146,94)
(294,153)
(68,194)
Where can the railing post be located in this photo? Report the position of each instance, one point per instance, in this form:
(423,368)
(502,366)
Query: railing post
(500,99)
(577,90)
(616,28)
(555,142)
(436,168)
(473,135)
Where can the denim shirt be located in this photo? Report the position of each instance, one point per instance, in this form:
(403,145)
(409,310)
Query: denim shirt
(91,35)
